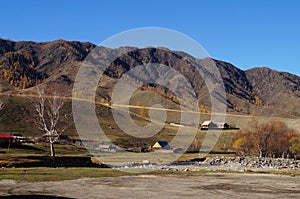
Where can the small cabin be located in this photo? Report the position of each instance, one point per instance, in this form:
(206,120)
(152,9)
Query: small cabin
(107,148)
(208,125)
(161,145)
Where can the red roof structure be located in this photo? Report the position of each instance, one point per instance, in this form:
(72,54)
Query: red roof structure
(6,136)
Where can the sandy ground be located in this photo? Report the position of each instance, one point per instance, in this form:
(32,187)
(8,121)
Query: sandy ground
(171,186)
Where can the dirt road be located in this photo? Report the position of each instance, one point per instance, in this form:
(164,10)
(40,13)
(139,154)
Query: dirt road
(170,186)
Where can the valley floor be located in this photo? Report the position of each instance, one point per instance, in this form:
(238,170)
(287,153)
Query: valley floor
(209,185)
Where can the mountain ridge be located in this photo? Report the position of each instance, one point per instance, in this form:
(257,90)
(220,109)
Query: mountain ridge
(253,91)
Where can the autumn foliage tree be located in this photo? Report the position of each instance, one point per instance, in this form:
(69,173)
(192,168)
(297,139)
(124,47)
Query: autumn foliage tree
(269,139)
(295,146)
(143,112)
(17,68)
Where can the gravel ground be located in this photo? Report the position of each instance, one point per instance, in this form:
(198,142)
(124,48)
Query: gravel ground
(170,186)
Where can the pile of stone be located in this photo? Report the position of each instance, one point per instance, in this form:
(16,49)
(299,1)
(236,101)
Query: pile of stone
(252,163)
(240,164)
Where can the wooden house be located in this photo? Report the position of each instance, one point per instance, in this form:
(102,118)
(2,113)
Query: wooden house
(161,145)
(208,125)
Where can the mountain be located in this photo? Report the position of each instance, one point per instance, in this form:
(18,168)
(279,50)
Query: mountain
(24,64)
(278,90)
(258,91)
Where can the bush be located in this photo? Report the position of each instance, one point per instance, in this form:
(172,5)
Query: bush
(269,139)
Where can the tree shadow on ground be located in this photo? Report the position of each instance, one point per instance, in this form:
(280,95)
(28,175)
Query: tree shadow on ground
(34,197)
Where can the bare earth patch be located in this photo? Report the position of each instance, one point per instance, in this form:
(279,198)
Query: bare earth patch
(167,186)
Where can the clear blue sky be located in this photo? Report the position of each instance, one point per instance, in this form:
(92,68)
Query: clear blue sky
(245,33)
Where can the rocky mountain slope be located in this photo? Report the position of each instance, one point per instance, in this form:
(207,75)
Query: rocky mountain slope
(258,91)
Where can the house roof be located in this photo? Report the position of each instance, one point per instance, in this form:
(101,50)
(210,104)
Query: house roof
(163,143)
(222,123)
(206,122)
(6,136)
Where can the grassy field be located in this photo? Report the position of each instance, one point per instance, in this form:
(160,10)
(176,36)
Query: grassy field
(117,137)
(58,174)
(17,155)
(42,149)
(21,121)
(19,118)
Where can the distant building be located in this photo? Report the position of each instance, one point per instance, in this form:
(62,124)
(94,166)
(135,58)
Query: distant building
(6,140)
(216,126)
(19,138)
(104,147)
(161,145)
(208,125)
(107,148)
(223,125)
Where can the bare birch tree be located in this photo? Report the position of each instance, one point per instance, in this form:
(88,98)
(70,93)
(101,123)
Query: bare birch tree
(49,118)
